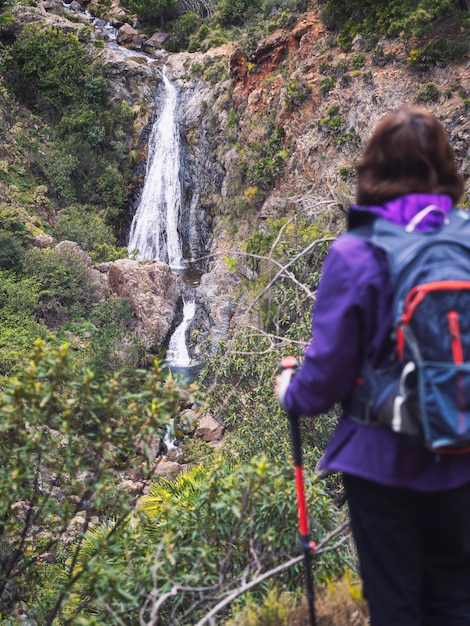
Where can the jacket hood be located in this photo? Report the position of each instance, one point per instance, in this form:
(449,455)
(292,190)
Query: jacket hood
(402,210)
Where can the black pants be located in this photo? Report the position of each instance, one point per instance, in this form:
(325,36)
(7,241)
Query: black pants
(414,553)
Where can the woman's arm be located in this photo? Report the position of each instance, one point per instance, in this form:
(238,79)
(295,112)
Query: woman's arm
(349,298)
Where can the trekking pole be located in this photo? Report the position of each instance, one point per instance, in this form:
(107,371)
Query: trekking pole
(288,366)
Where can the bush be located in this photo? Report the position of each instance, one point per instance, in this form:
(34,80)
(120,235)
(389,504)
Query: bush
(202,532)
(114,348)
(83,154)
(326,85)
(428,93)
(297,92)
(386,18)
(153,10)
(62,441)
(11,252)
(62,285)
(82,224)
(184,26)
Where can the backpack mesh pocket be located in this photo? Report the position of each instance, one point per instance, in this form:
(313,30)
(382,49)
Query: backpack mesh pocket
(444,393)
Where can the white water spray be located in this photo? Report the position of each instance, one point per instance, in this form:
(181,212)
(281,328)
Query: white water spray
(177,354)
(154,230)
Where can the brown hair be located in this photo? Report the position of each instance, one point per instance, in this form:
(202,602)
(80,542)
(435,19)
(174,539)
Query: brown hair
(409,152)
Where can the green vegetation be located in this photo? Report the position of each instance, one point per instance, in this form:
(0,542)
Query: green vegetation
(428,93)
(63,442)
(389,18)
(89,534)
(297,92)
(334,124)
(264,160)
(83,155)
(199,25)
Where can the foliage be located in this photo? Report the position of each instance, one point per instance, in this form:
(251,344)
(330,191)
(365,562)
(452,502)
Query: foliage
(184,26)
(438,52)
(11,252)
(114,348)
(155,10)
(200,532)
(62,441)
(429,92)
(384,17)
(325,85)
(84,225)
(83,157)
(297,92)
(43,68)
(274,611)
(235,12)
(62,284)
(267,160)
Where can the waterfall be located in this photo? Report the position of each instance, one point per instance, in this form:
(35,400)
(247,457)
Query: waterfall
(177,353)
(155,233)
(154,229)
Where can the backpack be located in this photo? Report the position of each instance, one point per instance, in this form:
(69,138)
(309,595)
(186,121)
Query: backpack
(425,390)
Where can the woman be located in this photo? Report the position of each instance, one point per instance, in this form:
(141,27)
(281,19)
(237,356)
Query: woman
(409,508)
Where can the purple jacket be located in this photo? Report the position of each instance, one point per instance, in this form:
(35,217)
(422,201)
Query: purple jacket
(353,318)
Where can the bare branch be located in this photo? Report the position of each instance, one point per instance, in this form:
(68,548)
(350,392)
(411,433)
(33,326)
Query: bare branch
(246,586)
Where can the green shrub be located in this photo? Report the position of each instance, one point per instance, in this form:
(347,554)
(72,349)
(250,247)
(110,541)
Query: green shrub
(297,92)
(153,10)
(274,611)
(114,348)
(11,252)
(358,60)
(206,529)
(18,328)
(184,26)
(428,93)
(82,224)
(385,18)
(235,12)
(62,443)
(62,285)
(326,85)
(83,153)
(439,52)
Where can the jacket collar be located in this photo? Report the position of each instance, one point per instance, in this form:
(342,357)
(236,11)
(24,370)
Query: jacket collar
(401,210)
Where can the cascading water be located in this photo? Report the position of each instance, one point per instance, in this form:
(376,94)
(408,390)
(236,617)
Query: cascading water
(177,353)
(154,233)
(154,230)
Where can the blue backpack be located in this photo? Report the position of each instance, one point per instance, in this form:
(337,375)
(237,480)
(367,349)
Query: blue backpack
(425,391)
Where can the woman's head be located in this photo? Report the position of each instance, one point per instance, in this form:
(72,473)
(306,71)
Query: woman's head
(409,152)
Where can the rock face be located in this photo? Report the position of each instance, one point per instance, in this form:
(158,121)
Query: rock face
(153,291)
(217,295)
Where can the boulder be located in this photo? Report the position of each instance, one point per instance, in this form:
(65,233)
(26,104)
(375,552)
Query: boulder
(153,291)
(167,469)
(43,241)
(129,37)
(117,14)
(217,295)
(238,64)
(358,43)
(156,40)
(209,429)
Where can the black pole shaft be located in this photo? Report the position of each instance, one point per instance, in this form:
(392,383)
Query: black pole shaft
(302,510)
